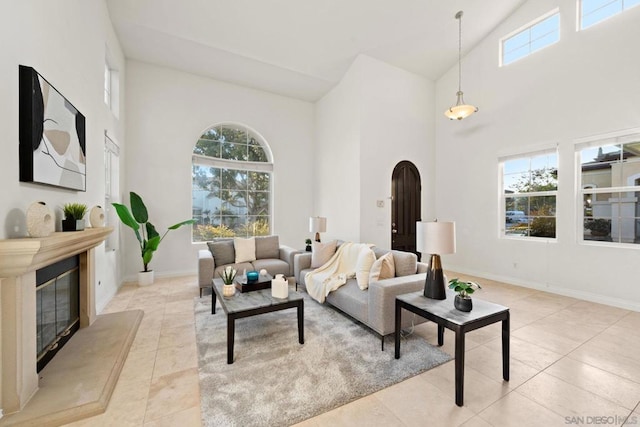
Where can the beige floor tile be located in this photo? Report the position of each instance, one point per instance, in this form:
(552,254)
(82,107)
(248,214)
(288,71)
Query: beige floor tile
(179,336)
(417,402)
(429,331)
(138,368)
(127,405)
(516,410)
(630,320)
(480,391)
(475,422)
(633,419)
(619,390)
(173,393)
(488,362)
(366,411)
(530,354)
(543,336)
(181,306)
(171,320)
(566,399)
(609,360)
(187,418)
(174,359)
(311,422)
(146,340)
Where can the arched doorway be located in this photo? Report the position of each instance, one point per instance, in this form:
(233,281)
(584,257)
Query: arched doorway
(405,206)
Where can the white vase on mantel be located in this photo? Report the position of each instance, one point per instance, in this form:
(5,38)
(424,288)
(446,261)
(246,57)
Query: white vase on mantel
(145,278)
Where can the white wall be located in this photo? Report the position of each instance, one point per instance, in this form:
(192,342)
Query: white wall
(377,116)
(65,42)
(167,111)
(584,85)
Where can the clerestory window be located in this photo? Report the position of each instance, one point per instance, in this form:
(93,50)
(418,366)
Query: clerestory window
(534,36)
(232,184)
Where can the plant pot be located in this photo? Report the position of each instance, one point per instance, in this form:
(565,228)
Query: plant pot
(145,278)
(71,224)
(228,290)
(308,248)
(463,304)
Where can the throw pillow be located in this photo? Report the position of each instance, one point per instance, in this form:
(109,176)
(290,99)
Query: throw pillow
(366,258)
(245,249)
(383,268)
(267,247)
(222,251)
(321,253)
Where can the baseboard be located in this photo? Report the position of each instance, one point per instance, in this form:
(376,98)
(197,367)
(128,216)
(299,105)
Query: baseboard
(586,296)
(175,273)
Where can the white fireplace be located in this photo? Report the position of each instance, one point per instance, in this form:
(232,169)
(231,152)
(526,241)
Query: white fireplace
(19,260)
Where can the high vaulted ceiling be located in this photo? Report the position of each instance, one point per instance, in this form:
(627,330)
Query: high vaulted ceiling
(300,48)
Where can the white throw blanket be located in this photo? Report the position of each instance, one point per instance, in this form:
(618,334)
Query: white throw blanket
(336,272)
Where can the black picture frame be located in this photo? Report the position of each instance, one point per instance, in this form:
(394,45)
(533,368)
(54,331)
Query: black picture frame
(52,135)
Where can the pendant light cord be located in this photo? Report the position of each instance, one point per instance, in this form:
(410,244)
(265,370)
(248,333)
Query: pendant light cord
(459,17)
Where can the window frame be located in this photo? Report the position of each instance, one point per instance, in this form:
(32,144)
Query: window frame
(502,211)
(580,15)
(239,165)
(613,138)
(528,27)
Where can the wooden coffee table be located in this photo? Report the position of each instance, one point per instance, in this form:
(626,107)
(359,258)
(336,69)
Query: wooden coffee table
(445,315)
(253,303)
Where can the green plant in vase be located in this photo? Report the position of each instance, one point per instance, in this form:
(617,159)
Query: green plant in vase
(73,214)
(308,243)
(464,289)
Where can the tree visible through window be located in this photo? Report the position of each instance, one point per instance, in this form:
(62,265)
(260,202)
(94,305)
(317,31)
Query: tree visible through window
(231,184)
(530,186)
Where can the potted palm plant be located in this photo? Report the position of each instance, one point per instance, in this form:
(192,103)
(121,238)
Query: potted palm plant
(148,238)
(73,214)
(464,289)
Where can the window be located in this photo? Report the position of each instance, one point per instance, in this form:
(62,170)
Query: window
(543,32)
(610,189)
(111,85)
(529,191)
(594,11)
(107,85)
(232,184)
(111,188)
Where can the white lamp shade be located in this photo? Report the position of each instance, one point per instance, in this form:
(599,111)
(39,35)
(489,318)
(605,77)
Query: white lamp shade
(317,224)
(436,237)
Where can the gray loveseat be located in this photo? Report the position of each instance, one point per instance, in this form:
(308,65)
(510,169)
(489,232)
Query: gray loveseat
(270,255)
(375,307)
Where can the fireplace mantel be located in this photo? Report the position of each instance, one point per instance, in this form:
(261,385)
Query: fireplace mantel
(19,256)
(19,260)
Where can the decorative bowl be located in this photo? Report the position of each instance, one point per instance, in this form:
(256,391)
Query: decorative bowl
(252,276)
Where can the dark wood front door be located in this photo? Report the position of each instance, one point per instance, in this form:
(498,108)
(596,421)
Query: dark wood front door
(405,206)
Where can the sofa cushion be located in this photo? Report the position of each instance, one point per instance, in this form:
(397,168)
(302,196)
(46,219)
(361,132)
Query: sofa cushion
(350,299)
(222,251)
(406,263)
(366,258)
(245,249)
(240,269)
(383,268)
(321,253)
(273,266)
(267,247)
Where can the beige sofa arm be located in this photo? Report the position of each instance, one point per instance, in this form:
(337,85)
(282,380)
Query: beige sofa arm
(287,255)
(302,261)
(205,268)
(382,300)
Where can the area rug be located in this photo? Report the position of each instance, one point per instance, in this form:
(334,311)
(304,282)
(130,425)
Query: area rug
(275,381)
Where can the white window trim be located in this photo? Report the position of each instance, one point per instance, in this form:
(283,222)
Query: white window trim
(609,138)
(526,27)
(537,150)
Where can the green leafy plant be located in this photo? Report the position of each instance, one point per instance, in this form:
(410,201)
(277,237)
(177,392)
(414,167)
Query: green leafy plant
(307,242)
(228,274)
(74,210)
(598,226)
(138,220)
(464,289)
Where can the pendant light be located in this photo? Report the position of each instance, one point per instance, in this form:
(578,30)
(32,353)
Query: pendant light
(460,110)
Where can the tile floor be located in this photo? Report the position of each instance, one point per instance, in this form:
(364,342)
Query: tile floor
(572,363)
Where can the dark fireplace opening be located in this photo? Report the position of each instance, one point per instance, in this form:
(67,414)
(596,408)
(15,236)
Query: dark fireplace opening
(57,307)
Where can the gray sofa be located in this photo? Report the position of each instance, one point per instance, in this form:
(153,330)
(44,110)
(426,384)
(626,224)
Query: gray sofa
(270,255)
(374,307)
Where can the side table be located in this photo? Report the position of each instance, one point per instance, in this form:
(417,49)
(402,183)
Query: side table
(445,315)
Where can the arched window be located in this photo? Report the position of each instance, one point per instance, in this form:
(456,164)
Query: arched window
(232,183)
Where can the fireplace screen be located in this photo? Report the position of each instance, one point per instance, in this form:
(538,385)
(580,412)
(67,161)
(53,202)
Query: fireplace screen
(57,307)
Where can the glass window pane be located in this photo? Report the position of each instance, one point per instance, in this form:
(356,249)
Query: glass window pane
(516,42)
(234,151)
(234,135)
(594,12)
(547,40)
(515,54)
(207,147)
(549,25)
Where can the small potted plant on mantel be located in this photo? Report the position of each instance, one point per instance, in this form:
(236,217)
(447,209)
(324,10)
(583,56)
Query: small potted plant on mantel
(464,289)
(73,214)
(148,238)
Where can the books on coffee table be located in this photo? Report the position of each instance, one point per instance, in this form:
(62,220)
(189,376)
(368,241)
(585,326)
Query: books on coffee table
(244,285)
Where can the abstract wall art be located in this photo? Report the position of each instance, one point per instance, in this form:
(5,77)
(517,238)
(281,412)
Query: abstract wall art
(52,135)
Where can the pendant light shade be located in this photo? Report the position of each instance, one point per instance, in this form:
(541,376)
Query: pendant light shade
(460,110)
